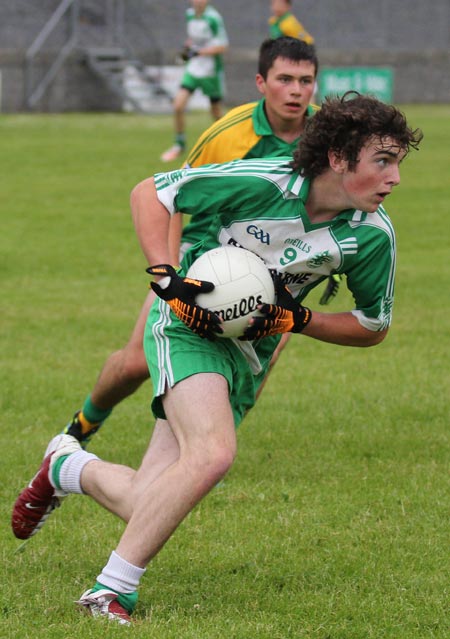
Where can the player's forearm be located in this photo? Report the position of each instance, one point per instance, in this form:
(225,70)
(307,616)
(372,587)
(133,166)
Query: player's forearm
(343,329)
(175,232)
(151,221)
(213,50)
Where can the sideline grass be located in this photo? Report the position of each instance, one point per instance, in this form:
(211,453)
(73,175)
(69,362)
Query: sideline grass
(333,523)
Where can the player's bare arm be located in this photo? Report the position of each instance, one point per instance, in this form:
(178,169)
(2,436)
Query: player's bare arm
(343,329)
(151,220)
(212,50)
(175,233)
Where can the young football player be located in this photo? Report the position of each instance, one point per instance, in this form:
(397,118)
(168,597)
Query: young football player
(287,69)
(323,212)
(206,43)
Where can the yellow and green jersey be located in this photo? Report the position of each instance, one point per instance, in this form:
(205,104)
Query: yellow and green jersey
(288,25)
(243,133)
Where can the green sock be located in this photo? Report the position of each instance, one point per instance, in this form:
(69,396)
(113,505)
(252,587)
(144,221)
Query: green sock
(126,599)
(92,413)
(56,468)
(181,139)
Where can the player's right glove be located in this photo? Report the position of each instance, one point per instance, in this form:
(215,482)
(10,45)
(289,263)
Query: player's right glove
(180,293)
(187,54)
(286,316)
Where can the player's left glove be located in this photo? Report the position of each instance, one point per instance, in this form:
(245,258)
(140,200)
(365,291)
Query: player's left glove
(331,289)
(180,293)
(286,316)
(187,54)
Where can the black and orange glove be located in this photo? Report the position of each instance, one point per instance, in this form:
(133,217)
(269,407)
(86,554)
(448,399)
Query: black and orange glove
(286,316)
(331,289)
(180,293)
(187,54)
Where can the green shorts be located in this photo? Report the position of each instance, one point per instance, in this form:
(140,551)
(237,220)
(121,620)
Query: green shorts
(213,87)
(174,352)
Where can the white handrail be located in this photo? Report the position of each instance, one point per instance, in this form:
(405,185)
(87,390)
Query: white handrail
(48,28)
(34,94)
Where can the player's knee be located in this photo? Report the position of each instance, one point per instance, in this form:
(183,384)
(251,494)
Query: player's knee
(222,460)
(211,463)
(180,102)
(134,365)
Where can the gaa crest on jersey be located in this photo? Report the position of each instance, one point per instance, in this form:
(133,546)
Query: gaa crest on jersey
(259,233)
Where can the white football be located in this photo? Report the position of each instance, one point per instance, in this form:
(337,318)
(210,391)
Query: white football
(242,281)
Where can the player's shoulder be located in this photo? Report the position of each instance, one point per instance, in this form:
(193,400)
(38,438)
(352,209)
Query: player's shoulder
(229,137)
(212,12)
(274,165)
(384,222)
(239,113)
(289,20)
(379,221)
(242,166)
(290,17)
(232,119)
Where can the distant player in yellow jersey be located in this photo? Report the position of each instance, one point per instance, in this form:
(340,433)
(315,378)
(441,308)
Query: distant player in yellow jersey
(283,22)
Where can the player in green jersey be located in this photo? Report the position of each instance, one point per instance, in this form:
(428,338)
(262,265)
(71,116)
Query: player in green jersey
(322,211)
(287,69)
(206,43)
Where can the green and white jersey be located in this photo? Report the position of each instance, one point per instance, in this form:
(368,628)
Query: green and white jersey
(207,30)
(260,205)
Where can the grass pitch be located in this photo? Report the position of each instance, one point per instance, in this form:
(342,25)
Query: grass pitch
(333,523)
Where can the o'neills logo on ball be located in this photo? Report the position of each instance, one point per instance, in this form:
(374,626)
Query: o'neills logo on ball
(244,307)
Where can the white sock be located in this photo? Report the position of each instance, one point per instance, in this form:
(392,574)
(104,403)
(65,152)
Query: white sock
(119,575)
(70,471)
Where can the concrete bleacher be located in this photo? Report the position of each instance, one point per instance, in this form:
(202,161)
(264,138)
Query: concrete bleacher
(410,37)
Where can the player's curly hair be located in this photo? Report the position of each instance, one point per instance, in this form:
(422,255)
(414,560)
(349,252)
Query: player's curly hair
(344,125)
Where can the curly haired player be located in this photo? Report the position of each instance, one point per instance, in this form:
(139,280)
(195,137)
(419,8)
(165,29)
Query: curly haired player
(270,127)
(321,212)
